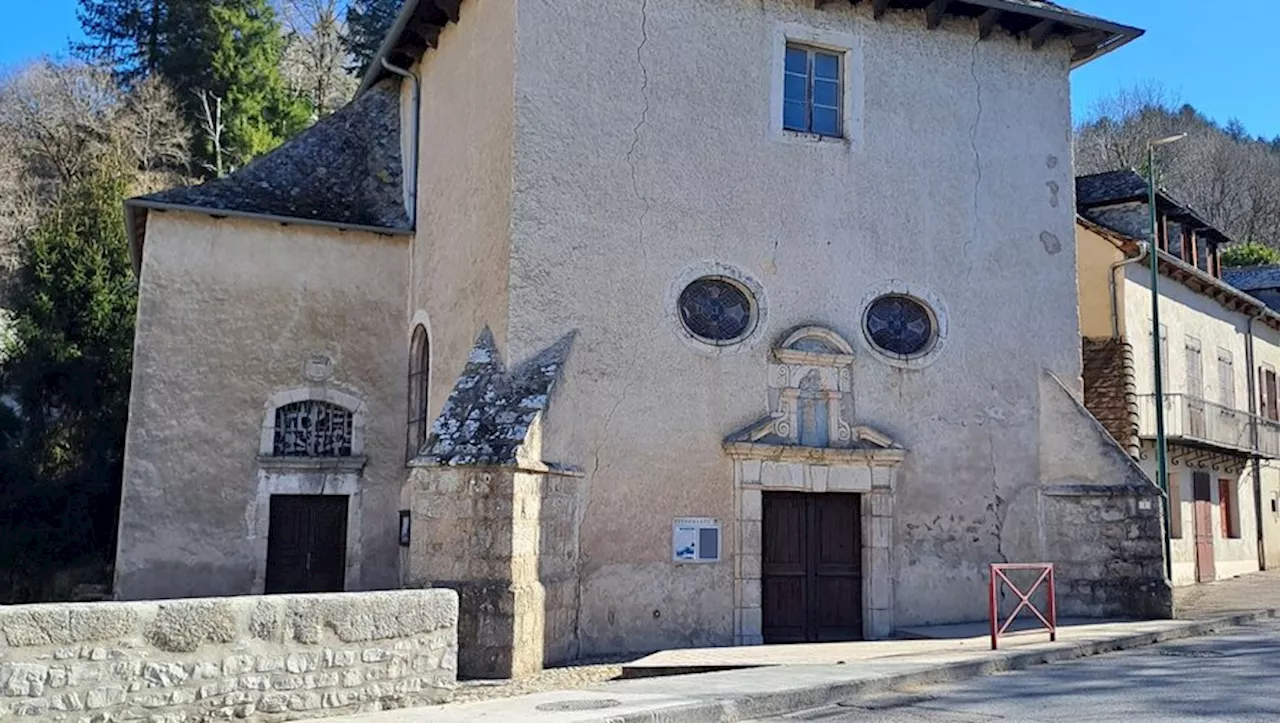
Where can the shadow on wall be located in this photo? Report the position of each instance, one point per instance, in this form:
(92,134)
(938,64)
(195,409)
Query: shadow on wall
(1101,516)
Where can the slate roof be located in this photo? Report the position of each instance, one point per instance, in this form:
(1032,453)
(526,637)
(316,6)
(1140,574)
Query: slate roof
(343,170)
(1251,278)
(489,412)
(1110,187)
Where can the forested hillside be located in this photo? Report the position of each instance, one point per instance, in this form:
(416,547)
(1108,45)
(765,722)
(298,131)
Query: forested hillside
(1222,171)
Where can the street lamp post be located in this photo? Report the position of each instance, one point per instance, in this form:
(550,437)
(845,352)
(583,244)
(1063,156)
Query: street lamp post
(1162,468)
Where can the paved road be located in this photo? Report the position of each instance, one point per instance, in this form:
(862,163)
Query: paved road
(1231,677)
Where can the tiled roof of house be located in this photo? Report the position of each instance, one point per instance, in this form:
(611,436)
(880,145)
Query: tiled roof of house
(1252,278)
(1110,187)
(343,170)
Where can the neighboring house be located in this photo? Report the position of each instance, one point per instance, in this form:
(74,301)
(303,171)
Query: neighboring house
(1261,282)
(707,323)
(1219,350)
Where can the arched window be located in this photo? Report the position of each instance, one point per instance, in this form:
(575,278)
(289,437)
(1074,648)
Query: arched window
(312,428)
(419,379)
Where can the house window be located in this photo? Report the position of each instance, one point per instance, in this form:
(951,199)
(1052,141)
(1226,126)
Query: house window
(1226,379)
(1195,370)
(1228,505)
(312,428)
(419,379)
(812,91)
(1268,406)
(1175,506)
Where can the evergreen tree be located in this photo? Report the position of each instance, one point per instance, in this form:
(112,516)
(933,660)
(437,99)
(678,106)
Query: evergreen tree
(67,365)
(228,49)
(244,48)
(367,24)
(131,36)
(1250,253)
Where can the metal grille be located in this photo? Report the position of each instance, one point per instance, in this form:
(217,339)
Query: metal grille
(312,429)
(899,325)
(716,310)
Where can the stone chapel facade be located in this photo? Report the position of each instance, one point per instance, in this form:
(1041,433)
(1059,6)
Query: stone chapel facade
(644,325)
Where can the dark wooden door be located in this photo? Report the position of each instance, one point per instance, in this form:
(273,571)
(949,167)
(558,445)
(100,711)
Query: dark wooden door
(811,567)
(307,544)
(1205,571)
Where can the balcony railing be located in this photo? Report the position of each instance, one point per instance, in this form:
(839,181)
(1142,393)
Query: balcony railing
(1196,420)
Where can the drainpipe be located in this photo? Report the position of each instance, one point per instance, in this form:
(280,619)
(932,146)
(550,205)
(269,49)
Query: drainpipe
(1143,250)
(417,111)
(1254,440)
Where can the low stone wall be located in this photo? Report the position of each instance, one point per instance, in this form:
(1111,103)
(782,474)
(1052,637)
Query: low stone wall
(270,658)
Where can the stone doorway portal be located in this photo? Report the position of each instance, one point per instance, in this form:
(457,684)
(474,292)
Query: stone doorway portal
(811,567)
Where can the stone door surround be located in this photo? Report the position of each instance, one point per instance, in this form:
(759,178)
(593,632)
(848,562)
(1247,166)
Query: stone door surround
(811,378)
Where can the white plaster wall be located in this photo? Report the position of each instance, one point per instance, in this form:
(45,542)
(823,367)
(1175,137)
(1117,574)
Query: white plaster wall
(1267,352)
(645,147)
(228,314)
(1184,312)
(460,252)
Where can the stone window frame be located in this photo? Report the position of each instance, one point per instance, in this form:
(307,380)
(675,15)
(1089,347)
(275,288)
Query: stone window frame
(359,420)
(931,301)
(755,293)
(849,47)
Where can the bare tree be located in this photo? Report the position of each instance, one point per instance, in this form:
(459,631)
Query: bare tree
(315,58)
(151,127)
(57,121)
(1218,170)
(213,130)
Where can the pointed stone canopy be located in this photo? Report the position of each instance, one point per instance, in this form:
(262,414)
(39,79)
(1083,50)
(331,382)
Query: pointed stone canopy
(488,416)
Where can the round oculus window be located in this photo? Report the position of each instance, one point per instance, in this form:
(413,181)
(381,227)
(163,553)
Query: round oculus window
(900,326)
(717,310)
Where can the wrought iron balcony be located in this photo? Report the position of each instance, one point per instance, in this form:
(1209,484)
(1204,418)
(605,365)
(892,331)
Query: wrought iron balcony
(1199,422)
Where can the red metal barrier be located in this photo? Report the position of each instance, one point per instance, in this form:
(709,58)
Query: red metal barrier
(999,577)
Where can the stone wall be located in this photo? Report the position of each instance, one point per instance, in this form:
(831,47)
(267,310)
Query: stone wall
(1108,549)
(1110,392)
(504,539)
(271,658)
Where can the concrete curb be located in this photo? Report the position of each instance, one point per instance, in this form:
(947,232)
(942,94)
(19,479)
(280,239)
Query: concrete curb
(747,707)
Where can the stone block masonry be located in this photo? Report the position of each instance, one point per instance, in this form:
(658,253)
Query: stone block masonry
(270,658)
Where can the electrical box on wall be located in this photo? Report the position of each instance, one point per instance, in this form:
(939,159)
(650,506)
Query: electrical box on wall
(405,530)
(695,539)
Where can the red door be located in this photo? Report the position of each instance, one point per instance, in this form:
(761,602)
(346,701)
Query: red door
(811,567)
(1204,527)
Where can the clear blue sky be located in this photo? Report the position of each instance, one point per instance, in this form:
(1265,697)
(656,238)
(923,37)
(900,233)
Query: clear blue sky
(1219,55)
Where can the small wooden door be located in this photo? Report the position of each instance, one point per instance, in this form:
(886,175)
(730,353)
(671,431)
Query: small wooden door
(307,544)
(811,567)
(1204,527)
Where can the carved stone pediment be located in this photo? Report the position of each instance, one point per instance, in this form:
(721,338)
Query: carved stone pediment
(811,408)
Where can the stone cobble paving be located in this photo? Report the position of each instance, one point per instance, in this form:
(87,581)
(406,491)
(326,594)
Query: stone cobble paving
(580,674)
(1242,594)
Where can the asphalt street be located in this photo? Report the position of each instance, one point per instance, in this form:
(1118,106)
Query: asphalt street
(1230,677)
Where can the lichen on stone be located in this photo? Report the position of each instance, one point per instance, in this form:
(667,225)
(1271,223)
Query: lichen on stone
(183,626)
(488,415)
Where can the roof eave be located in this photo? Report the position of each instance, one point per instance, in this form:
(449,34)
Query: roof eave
(1132,247)
(1117,34)
(135,221)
